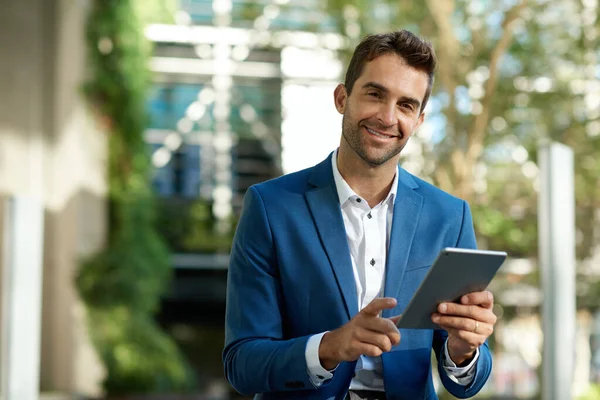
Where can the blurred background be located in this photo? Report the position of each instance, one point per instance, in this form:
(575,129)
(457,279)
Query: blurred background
(138,125)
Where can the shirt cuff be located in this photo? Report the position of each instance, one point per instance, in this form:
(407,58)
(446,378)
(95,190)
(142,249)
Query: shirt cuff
(317,374)
(461,375)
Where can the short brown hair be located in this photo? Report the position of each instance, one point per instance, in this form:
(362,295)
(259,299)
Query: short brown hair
(418,53)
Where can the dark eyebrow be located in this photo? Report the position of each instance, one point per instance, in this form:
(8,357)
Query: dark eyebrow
(404,99)
(416,103)
(375,85)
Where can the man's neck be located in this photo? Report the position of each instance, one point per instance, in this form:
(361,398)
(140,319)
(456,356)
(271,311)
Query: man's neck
(372,183)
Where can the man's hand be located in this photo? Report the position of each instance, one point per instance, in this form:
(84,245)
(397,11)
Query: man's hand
(366,334)
(468,324)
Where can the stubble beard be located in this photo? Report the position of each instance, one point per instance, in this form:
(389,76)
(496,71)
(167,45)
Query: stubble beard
(352,135)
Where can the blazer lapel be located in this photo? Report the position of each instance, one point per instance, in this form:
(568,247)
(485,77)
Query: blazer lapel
(325,208)
(407,209)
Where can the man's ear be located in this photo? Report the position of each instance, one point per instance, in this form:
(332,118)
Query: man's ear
(419,121)
(340,96)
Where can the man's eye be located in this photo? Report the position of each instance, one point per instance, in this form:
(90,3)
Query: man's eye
(375,94)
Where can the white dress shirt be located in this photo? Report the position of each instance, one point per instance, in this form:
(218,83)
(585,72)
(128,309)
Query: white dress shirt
(368,232)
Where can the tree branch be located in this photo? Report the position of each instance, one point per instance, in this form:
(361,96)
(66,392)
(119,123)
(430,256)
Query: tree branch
(448,49)
(476,134)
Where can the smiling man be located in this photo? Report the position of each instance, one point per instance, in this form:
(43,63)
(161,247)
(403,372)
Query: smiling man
(325,258)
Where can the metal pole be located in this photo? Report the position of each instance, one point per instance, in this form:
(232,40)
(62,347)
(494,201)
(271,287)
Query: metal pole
(556,230)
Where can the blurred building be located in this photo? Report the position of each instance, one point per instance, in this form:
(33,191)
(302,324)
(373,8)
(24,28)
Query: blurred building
(242,93)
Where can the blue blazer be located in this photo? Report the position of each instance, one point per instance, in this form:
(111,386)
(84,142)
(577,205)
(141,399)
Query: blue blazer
(290,277)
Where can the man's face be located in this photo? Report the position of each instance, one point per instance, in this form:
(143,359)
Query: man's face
(383,109)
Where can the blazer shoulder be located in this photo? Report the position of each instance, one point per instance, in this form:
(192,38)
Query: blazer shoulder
(294,182)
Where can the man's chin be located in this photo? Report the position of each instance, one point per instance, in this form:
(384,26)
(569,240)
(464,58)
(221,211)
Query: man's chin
(375,161)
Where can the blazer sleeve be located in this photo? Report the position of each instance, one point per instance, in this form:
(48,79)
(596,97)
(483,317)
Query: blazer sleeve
(483,368)
(256,357)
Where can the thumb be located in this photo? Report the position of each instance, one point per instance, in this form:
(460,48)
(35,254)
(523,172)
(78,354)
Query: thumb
(395,319)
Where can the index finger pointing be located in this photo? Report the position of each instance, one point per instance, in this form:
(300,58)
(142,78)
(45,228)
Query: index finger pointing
(484,299)
(379,304)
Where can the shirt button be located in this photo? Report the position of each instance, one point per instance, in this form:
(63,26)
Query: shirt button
(320,377)
(358,200)
(369,216)
(372,261)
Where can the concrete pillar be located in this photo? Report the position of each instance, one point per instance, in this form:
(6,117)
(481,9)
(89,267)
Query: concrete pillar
(556,231)
(52,148)
(22,297)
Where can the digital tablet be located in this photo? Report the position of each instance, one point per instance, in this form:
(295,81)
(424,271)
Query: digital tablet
(454,273)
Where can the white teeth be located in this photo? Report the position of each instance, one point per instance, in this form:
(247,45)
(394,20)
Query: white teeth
(377,134)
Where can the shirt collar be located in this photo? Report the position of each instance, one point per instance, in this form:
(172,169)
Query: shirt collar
(344,190)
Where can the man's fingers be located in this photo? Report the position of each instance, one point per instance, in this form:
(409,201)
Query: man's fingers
(469,311)
(474,340)
(380,340)
(377,305)
(385,326)
(452,323)
(484,299)
(368,350)
(381,325)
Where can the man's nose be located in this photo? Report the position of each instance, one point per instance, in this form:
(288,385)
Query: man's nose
(387,114)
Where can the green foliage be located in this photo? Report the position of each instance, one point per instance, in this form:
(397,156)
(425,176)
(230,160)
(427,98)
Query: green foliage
(139,356)
(502,231)
(133,268)
(189,225)
(531,70)
(121,286)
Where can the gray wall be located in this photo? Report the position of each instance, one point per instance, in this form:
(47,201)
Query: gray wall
(53,149)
